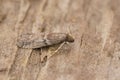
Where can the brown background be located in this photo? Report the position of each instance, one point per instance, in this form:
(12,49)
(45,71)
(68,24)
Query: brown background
(95,25)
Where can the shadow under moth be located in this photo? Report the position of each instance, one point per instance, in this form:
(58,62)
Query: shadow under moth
(42,40)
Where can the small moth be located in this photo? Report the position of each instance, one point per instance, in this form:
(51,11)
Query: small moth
(42,40)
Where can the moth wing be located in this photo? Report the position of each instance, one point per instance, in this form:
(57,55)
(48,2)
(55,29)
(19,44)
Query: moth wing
(55,38)
(31,41)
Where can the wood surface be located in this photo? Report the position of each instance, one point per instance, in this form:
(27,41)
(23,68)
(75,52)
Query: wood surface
(94,24)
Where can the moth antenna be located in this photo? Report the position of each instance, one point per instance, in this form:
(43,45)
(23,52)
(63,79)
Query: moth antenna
(70,37)
(69,31)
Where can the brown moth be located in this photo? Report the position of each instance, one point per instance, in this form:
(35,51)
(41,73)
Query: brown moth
(42,40)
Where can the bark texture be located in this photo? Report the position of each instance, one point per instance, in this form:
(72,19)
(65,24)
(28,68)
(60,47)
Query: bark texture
(94,24)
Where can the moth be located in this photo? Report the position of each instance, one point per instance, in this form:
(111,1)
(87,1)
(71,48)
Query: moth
(42,40)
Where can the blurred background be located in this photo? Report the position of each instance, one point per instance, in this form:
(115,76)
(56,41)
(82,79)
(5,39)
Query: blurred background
(94,24)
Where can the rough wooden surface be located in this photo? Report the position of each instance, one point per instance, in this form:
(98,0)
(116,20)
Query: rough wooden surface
(95,54)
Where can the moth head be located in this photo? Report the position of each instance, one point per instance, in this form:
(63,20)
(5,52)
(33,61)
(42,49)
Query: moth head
(69,38)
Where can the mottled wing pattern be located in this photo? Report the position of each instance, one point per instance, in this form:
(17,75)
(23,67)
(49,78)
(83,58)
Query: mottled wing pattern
(31,41)
(42,40)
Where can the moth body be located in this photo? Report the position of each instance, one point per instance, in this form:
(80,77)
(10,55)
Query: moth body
(42,40)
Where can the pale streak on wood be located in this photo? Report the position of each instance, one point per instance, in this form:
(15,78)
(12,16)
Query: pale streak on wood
(32,67)
(106,24)
(19,64)
(38,25)
(24,8)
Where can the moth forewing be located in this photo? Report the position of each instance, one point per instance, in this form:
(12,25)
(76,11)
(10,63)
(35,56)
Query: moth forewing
(55,38)
(31,41)
(35,44)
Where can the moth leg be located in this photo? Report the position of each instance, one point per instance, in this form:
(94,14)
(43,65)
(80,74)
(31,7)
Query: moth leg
(40,51)
(61,45)
(69,31)
(43,57)
(43,62)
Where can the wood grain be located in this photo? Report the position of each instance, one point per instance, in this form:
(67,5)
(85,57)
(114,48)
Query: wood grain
(94,24)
